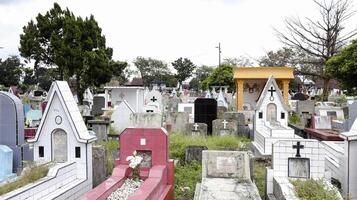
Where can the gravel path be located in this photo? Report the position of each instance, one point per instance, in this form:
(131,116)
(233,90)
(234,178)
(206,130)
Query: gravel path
(125,190)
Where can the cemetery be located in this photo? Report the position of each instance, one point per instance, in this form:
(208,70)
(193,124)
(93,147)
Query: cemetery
(76,123)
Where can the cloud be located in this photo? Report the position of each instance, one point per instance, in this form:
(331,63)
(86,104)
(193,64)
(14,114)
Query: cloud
(9,2)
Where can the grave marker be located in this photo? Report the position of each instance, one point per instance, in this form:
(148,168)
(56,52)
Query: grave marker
(205,112)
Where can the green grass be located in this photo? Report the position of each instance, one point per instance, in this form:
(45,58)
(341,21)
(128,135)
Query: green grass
(313,190)
(179,142)
(260,175)
(186,178)
(35,173)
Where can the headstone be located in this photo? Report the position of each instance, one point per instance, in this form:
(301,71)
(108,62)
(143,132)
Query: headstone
(100,164)
(6,160)
(196,129)
(100,128)
(88,98)
(12,126)
(221,100)
(98,105)
(178,121)
(224,127)
(194,153)
(153,102)
(322,122)
(146,120)
(189,108)
(220,111)
(121,116)
(172,104)
(205,112)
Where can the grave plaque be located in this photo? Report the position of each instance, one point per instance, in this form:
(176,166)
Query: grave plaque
(221,166)
(98,104)
(299,167)
(205,112)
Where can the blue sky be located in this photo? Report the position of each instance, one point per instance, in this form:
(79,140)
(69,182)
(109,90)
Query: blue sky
(168,29)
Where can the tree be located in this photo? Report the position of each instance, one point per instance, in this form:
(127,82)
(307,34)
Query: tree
(220,76)
(184,69)
(241,61)
(343,67)
(72,46)
(10,71)
(201,73)
(320,39)
(151,69)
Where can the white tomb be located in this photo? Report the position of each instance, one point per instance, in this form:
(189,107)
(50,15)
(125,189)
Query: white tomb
(153,102)
(121,116)
(221,101)
(189,108)
(62,138)
(271,118)
(88,97)
(133,95)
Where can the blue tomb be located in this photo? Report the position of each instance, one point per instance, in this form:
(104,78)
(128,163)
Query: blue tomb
(6,156)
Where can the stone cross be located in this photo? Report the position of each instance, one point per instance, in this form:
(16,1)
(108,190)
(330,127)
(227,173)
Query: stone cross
(224,124)
(153,99)
(298,147)
(196,126)
(271,91)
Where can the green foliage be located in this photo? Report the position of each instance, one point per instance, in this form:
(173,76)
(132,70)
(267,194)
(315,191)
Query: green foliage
(179,142)
(201,74)
(34,173)
(221,76)
(110,146)
(154,70)
(184,68)
(341,99)
(260,175)
(74,45)
(186,178)
(10,71)
(343,67)
(313,190)
(294,119)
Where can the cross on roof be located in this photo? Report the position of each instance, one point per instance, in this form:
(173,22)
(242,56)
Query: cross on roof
(271,91)
(196,126)
(224,124)
(298,147)
(153,99)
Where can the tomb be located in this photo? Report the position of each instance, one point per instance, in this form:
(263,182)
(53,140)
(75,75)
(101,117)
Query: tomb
(178,121)
(189,108)
(99,103)
(6,157)
(132,94)
(205,112)
(328,109)
(196,129)
(63,139)
(226,175)
(157,171)
(271,119)
(250,82)
(153,102)
(121,116)
(321,129)
(88,98)
(12,126)
(146,120)
(100,128)
(223,127)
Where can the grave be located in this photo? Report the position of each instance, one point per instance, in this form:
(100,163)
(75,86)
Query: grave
(221,100)
(6,159)
(157,170)
(205,112)
(189,108)
(173,102)
(220,111)
(153,102)
(327,109)
(178,121)
(88,98)
(271,119)
(305,110)
(100,128)
(132,94)
(121,116)
(321,129)
(194,153)
(243,125)
(196,129)
(146,120)
(63,139)
(98,105)
(223,127)
(12,126)
(226,175)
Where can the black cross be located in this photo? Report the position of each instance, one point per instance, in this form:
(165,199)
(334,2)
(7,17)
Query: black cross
(153,99)
(298,147)
(271,91)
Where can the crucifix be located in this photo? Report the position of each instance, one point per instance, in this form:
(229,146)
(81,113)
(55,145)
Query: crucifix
(298,147)
(196,126)
(271,93)
(224,124)
(153,99)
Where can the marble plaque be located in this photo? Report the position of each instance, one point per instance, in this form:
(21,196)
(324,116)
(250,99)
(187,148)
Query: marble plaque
(299,167)
(59,139)
(221,166)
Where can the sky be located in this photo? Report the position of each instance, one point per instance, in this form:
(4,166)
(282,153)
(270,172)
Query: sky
(169,29)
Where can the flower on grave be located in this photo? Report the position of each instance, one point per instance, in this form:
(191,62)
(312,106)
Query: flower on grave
(134,162)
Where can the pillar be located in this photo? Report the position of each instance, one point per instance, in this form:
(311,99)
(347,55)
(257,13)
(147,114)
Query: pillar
(239,94)
(286,90)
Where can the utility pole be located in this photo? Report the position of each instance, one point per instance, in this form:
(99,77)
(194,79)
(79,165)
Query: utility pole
(219,54)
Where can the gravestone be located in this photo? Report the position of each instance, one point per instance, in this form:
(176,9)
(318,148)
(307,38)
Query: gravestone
(196,129)
(220,112)
(194,153)
(243,129)
(153,99)
(146,120)
(6,159)
(189,108)
(225,127)
(205,112)
(172,104)
(12,126)
(121,116)
(100,128)
(322,122)
(98,105)
(99,164)
(178,120)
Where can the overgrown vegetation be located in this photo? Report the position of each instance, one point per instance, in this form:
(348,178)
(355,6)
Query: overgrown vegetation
(111,146)
(187,175)
(294,119)
(260,175)
(33,174)
(313,190)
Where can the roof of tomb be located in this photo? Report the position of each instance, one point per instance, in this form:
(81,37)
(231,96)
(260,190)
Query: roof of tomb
(62,90)
(263,72)
(271,82)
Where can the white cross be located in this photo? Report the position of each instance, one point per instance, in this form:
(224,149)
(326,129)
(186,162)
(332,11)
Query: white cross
(225,124)
(196,126)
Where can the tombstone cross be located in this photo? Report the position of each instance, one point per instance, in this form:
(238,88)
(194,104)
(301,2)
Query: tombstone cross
(271,91)
(224,124)
(298,147)
(196,126)
(153,99)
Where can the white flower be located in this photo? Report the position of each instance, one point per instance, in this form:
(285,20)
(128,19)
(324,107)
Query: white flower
(129,158)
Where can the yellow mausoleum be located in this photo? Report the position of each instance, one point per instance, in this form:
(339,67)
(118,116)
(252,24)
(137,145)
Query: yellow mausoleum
(282,75)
